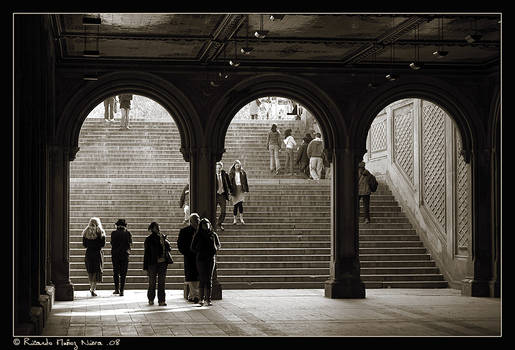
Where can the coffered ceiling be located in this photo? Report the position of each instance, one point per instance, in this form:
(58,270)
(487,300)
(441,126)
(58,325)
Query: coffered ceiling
(292,39)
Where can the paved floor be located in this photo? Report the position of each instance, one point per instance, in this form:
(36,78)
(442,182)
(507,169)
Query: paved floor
(279,313)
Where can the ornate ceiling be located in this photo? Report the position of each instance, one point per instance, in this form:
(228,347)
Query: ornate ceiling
(330,40)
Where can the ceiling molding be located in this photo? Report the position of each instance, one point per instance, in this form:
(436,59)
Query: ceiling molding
(385,39)
(224,32)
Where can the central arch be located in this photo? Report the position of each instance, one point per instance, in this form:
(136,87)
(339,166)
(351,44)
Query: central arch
(304,91)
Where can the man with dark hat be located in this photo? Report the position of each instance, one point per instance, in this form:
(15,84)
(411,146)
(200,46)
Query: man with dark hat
(121,241)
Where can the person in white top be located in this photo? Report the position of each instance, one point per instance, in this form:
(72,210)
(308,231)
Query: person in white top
(290,143)
(253,109)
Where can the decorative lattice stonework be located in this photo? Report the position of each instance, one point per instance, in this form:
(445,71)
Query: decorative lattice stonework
(403,140)
(463,219)
(433,141)
(378,136)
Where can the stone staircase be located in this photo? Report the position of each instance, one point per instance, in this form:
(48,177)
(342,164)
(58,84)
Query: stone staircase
(138,174)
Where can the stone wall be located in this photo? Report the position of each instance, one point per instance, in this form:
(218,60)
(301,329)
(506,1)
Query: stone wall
(415,147)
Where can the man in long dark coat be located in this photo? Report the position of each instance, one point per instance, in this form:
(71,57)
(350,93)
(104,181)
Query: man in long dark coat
(191,276)
(121,241)
(223,190)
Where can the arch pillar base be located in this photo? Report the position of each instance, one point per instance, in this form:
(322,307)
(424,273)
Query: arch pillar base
(63,291)
(480,288)
(351,288)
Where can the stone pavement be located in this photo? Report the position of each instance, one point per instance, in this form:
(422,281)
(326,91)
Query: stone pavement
(278,313)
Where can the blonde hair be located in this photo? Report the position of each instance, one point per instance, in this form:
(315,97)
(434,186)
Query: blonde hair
(94,229)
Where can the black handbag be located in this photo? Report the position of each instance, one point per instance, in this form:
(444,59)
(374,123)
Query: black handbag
(168,255)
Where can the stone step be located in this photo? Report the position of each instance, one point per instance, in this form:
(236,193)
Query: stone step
(406,284)
(278,199)
(397,256)
(175,220)
(171,233)
(228,285)
(137,246)
(383,274)
(157,210)
(294,251)
(394,263)
(273,256)
(367,267)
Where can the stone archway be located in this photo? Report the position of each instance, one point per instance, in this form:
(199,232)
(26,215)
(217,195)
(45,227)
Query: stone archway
(475,151)
(344,281)
(305,92)
(65,147)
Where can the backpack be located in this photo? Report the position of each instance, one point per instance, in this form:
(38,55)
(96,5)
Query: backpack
(372,182)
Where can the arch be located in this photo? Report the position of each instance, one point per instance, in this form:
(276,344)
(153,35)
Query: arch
(458,107)
(305,92)
(148,85)
(494,117)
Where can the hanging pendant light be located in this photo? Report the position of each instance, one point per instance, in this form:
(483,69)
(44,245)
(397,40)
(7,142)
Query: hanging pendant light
(440,53)
(392,76)
(234,62)
(247,49)
(373,84)
(223,74)
(91,53)
(261,34)
(475,36)
(416,65)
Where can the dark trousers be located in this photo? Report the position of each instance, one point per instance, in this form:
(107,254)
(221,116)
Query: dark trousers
(238,207)
(221,201)
(206,268)
(157,272)
(366,205)
(120,266)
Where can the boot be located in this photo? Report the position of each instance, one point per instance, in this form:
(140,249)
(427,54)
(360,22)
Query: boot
(92,290)
(201,296)
(234,222)
(208,297)
(116,282)
(122,285)
(241,219)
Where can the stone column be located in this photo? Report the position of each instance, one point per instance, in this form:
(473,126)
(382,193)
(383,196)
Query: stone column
(478,284)
(345,280)
(202,195)
(58,204)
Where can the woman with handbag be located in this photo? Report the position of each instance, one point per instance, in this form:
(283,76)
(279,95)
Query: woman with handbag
(205,244)
(156,257)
